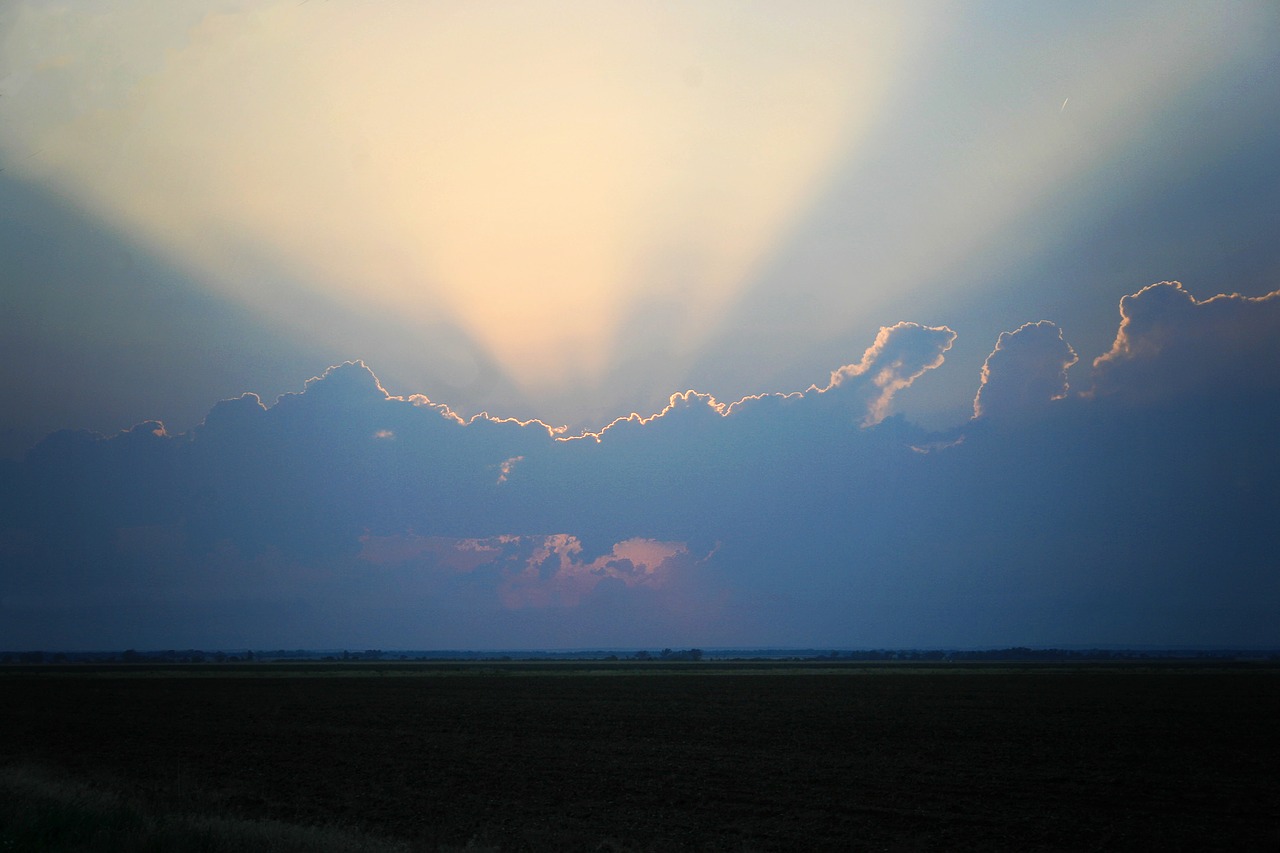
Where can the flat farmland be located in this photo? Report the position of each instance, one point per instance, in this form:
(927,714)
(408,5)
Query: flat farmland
(698,756)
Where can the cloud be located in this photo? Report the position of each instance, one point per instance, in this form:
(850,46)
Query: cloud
(553,571)
(342,514)
(1027,369)
(348,385)
(1171,345)
(507,466)
(528,571)
(900,355)
(317,469)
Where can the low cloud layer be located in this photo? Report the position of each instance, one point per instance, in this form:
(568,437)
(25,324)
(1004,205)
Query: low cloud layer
(1133,504)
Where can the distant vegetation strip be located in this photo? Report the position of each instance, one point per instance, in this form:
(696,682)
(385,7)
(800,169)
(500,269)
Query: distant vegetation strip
(1015,653)
(590,669)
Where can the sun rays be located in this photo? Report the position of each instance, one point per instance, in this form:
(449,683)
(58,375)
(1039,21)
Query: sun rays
(564,211)
(533,178)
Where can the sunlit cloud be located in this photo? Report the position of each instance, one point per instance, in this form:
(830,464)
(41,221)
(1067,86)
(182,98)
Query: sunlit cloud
(555,573)
(899,355)
(1027,369)
(507,466)
(534,571)
(1170,344)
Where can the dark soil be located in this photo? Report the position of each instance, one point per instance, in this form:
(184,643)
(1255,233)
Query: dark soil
(684,759)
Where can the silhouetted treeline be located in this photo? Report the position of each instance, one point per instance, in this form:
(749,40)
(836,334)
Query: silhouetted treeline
(1015,653)
(1022,653)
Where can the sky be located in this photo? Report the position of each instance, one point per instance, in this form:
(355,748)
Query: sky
(566,325)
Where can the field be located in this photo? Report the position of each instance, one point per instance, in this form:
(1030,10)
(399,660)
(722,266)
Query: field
(647,756)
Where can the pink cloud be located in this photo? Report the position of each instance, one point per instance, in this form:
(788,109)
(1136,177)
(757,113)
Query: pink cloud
(507,466)
(533,571)
(556,574)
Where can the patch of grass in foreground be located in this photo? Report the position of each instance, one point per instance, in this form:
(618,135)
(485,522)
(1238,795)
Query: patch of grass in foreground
(39,812)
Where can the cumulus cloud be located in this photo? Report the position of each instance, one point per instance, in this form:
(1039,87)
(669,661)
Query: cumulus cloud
(901,354)
(347,384)
(1169,344)
(312,472)
(1027,369)
(342,514)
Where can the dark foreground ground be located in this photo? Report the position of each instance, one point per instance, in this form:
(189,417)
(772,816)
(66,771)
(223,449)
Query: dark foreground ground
(699,756)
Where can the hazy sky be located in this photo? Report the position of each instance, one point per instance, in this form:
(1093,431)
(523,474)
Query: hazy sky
(563,213)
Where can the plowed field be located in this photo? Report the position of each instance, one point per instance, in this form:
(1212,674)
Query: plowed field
(696,757)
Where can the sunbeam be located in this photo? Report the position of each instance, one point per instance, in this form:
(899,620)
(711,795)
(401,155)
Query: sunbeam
(525,175)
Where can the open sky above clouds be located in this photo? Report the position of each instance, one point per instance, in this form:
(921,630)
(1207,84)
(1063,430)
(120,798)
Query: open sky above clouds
(902,254)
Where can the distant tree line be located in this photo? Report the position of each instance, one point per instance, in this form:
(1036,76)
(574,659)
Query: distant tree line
(667,654)
(1022,653)
(1013,653)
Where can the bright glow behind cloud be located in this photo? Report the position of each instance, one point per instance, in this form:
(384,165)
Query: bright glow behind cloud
(526,171)
(602,198)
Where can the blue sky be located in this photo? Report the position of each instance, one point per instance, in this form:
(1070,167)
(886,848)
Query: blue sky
(902,254)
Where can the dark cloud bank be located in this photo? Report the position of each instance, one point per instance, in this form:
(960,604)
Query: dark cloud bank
(1130,500)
